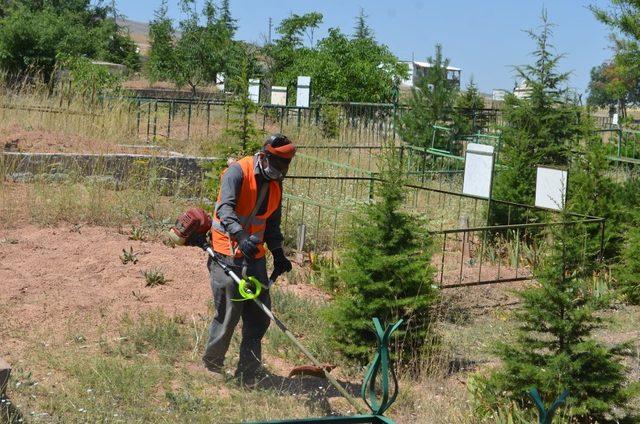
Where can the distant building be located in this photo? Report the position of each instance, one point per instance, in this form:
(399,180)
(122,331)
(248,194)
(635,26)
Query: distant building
(418,70)
(522,90)
(498,94)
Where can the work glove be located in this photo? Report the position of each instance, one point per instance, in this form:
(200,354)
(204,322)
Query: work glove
(280,263)
(248,245)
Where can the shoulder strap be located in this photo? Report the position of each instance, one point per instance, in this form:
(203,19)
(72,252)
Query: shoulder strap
(261,195)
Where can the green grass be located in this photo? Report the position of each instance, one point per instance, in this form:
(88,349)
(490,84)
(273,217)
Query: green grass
(153,332)
(145,375)
(305,318)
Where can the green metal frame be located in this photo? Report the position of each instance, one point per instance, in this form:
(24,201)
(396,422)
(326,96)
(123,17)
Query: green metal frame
(380,366)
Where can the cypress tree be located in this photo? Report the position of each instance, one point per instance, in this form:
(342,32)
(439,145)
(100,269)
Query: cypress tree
(386,273)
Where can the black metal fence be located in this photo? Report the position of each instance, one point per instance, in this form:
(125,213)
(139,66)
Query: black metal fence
(470,253)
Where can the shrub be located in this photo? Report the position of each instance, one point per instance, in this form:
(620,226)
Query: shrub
(330,121)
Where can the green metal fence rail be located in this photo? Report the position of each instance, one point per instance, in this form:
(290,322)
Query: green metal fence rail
(622,145)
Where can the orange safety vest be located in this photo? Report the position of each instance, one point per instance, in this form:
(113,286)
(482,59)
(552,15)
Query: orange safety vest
(245,203)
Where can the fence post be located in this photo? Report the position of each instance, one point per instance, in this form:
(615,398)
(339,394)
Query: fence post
(148,119)
(138,118)
(169,119)
(208,115)
(619,142)
(189,122)
(371,181)
(602,240)
(155,120)
(300,240)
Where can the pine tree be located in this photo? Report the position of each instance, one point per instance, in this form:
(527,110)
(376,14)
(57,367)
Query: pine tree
(161,52)
(386,273)
(362,29)
(469,118)
(593,192)
(431,103)
(554,348)
(242,127)
(627,271)
(539,129)
(227,19)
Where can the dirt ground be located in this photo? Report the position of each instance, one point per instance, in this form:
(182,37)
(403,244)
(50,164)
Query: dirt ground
(16,139)
(54,277)
(64,279)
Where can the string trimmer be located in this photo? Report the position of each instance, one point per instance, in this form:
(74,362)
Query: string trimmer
(250,288)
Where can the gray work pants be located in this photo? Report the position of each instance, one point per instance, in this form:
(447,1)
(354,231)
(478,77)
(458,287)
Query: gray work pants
(254,321)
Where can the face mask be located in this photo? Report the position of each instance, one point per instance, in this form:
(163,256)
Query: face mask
(268,171)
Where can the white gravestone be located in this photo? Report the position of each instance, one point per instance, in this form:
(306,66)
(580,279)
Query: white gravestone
(303,92)
(254,90)
(279,95)
(551,188)
(478,170)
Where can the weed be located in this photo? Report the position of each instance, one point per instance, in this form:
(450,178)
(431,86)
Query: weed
(184,401)
(79,339)
(139,296)
(138,233)
(154,277)
(324,273)
(129,256)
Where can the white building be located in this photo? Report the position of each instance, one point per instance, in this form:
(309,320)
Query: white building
(522,90)
(418,70)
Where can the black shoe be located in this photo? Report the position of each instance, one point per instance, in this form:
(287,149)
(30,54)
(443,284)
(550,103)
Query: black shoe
(213,367)
(252,378)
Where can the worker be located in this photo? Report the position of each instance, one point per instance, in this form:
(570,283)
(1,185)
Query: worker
(247,216)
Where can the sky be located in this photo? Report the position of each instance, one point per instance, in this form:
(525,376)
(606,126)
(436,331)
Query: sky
(485,38)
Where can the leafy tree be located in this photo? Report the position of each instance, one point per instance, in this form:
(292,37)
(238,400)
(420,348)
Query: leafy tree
(469,118)
(612,85)
(34,34)
(362,29)
(289,48)
(432,100)
(554,348)
(200,52)
(91,80)
(617,82)
(386,274)
(358,70)
(539,129)
(294,27)
(341,69)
